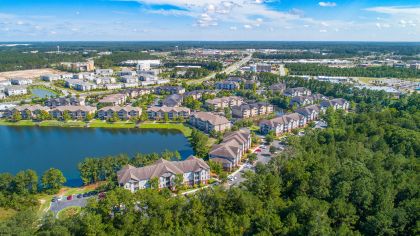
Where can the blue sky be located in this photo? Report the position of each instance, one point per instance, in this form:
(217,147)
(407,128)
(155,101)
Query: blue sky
(342,20)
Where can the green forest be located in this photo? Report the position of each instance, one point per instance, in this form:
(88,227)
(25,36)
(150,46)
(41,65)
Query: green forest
(359,176)
(10,61)
(378,72)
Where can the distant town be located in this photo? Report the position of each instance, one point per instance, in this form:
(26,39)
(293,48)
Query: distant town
(239,108)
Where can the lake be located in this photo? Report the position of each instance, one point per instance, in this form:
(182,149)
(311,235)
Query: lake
(42,93)
(40,148)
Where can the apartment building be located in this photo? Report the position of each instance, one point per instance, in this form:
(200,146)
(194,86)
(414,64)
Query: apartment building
(231,150)
(252,110)
(114,99)
(64,101)
(123,113)
(207,122)
(193,171)
(158,113)
(221,103)
(26,111)
(299,91)
(75,112)
(338,103)
(283,124)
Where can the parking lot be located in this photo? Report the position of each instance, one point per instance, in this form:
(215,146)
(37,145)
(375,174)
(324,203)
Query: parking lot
(57,206)
(60,202)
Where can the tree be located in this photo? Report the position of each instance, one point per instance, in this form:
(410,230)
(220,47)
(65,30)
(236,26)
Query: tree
(89,117)
(154,183)
(26,182)
(228,113)
(252,158)
(16,116)
(166,117)
(199,141)
(272,149)
(52,180)
(269,138)
(44,115)
(66,116)
(215,167)
(179,181)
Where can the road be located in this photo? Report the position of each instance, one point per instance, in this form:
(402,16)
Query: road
(235,66)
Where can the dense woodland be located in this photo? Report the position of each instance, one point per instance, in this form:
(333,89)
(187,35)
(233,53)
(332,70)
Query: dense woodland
(379,72)
(357,177)
(10,61)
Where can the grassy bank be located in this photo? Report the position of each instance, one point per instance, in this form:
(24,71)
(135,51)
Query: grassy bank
(117,125)
(177,126)
(102,124)
(18,123)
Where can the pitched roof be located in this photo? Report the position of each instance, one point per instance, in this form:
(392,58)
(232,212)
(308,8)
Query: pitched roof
(168,109)
(211,118)
(160,167)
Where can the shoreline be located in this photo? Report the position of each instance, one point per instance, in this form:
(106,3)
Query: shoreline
(181,127)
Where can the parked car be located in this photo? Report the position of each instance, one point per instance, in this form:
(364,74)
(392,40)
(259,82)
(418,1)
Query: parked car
(86,195)
(101,195)
(258,150)
(54,199)
(79,195)
(70,197)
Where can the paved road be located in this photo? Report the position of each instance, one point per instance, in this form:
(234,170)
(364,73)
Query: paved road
(57,206)
(235,66)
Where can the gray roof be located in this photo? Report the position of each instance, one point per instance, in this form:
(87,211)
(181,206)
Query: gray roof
(211,118)
(160,167)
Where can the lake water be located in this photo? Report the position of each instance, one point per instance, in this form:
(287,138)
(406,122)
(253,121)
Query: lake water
(40,148)
(41,93)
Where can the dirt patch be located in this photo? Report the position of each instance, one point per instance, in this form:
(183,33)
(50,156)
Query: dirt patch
(29,74)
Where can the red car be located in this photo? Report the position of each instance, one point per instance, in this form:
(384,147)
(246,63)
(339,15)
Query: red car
(101,195)
(70,197)
(258,150)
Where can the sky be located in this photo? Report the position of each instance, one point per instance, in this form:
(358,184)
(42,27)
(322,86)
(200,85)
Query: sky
(211,20)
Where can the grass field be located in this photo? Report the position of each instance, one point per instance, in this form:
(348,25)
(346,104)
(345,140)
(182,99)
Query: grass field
(6,213)
(177,126)
(68,212)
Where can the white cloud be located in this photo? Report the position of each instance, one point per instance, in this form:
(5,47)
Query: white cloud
(395,10)
(323,31)
(247,26)
(233,28)
(327,4)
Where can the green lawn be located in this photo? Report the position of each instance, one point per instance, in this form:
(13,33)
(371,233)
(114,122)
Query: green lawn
(57,123)
(104,124)
(19,123)
(177,126)
(6,213)
(68,212)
